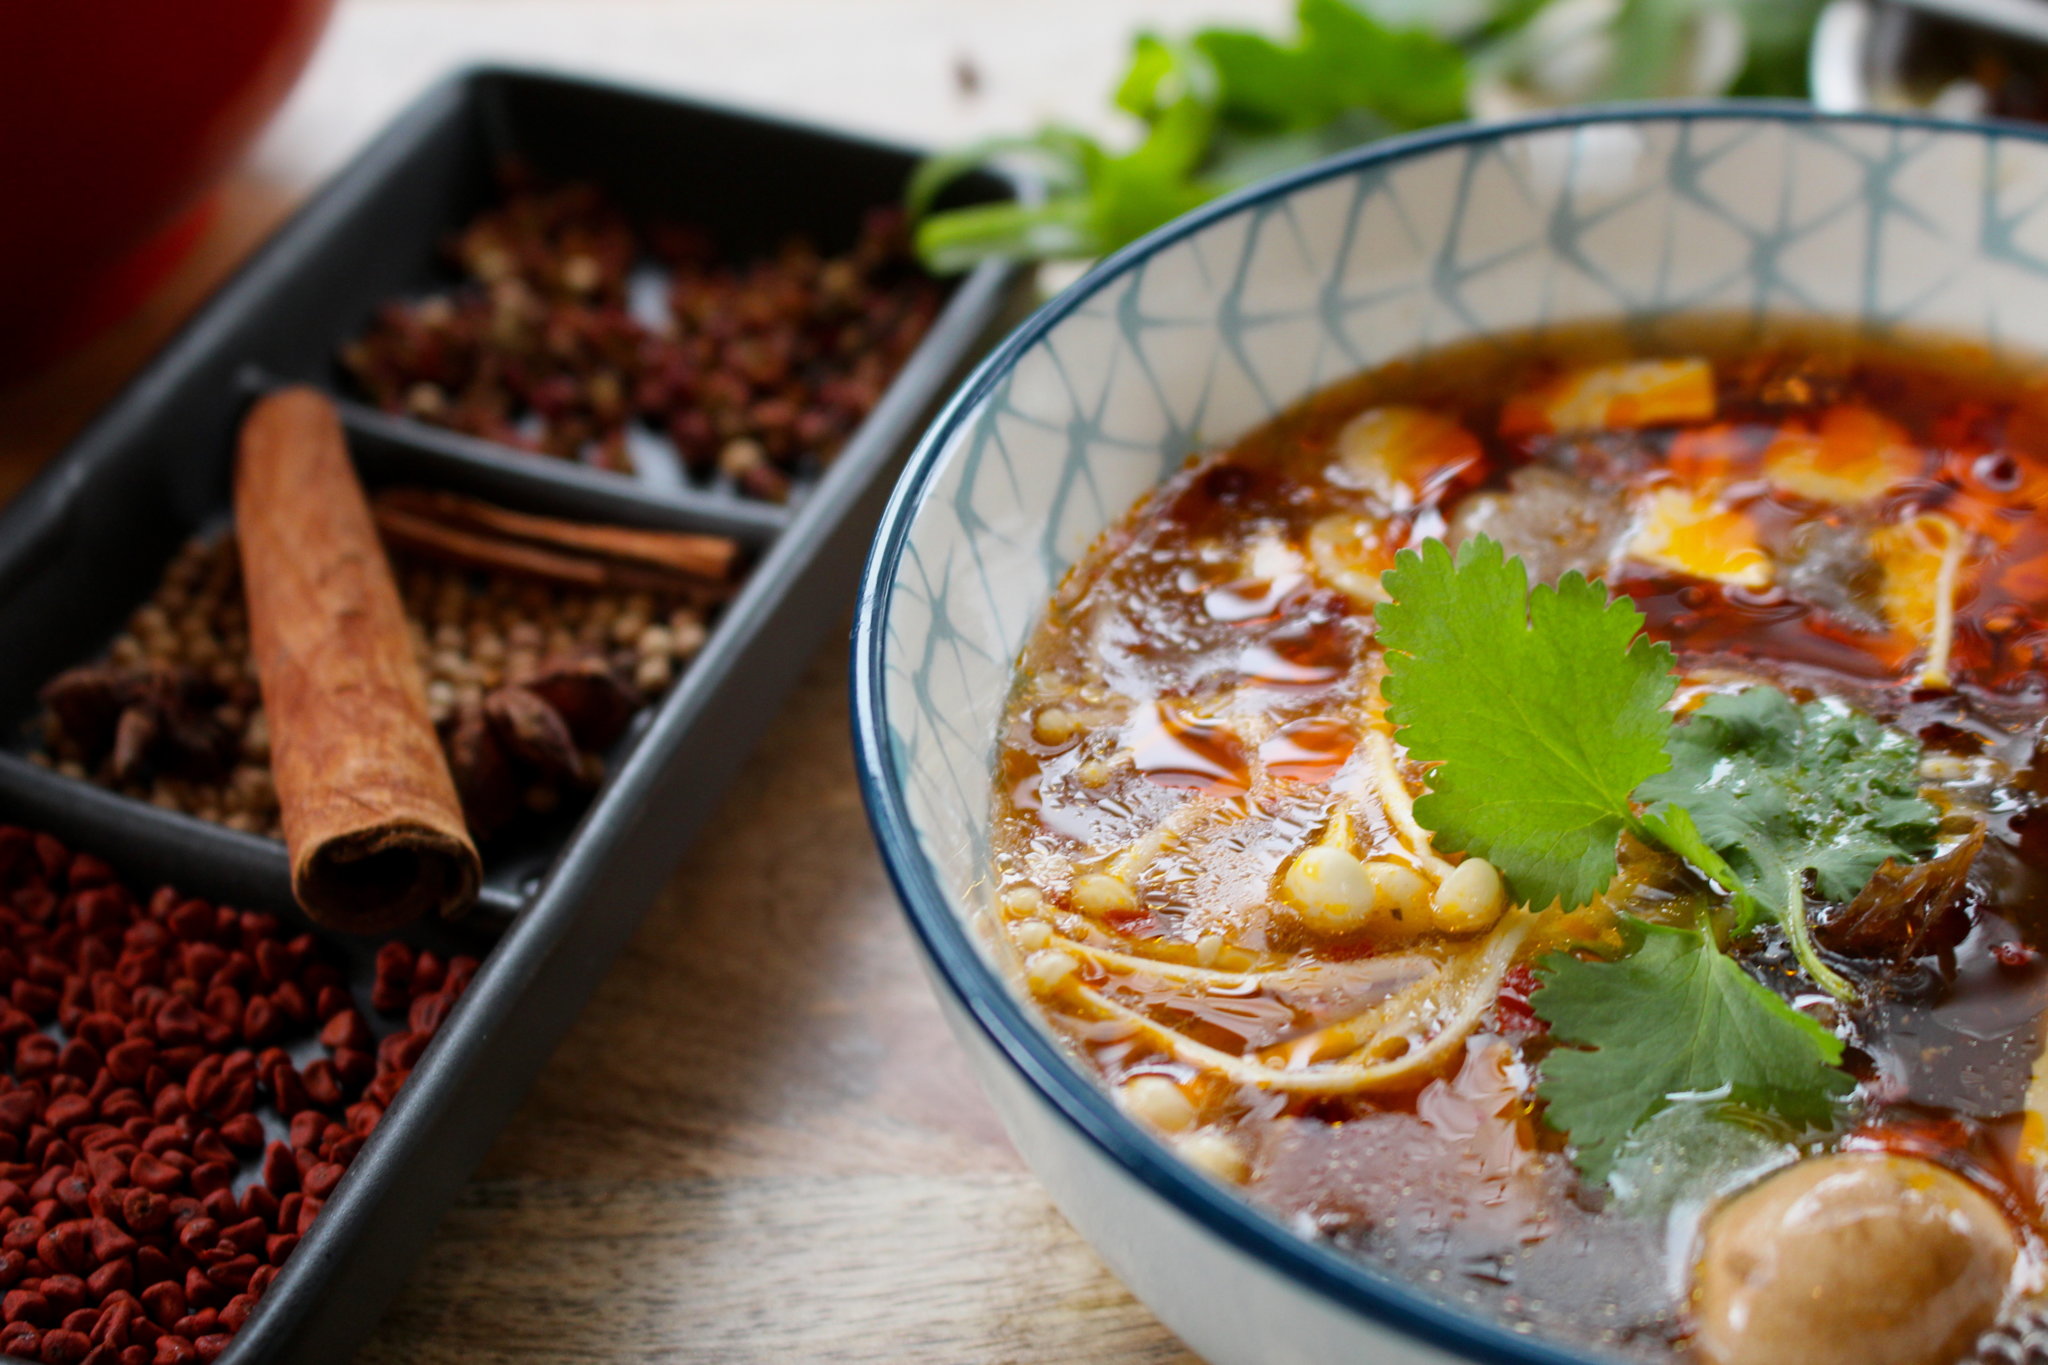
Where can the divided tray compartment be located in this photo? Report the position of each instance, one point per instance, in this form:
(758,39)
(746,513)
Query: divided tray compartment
(86,542)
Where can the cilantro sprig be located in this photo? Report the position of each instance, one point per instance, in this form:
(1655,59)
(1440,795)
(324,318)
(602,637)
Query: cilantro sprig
(1544,717)
(1543,711)
(1675,1017)
(1221,107)
(1779,791)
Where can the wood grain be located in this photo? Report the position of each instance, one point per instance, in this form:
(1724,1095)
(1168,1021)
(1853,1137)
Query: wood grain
(758,1143)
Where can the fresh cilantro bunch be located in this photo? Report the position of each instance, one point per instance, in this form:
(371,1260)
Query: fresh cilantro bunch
(1223,107)
(1544,716)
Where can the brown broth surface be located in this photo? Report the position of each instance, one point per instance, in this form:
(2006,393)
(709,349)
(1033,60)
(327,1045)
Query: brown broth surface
(1199,705)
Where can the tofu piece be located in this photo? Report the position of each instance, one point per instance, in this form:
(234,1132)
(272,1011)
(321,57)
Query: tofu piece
(1855,456)
(1922,559)
(1681,530)
(1626,393)
(1393,452)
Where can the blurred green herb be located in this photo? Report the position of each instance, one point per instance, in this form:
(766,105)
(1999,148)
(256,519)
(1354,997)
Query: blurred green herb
(1225,106)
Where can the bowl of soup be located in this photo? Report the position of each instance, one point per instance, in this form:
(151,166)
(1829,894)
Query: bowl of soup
(1464,734)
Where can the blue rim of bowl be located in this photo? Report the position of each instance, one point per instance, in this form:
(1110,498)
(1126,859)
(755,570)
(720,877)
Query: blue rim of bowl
(1008,1021)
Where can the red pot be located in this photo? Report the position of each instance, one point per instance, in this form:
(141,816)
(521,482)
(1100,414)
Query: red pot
(117,117)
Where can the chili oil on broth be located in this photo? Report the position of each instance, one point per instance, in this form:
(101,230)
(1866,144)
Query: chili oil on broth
(1216,889)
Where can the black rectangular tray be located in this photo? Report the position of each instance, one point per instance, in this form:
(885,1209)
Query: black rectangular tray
(86,542)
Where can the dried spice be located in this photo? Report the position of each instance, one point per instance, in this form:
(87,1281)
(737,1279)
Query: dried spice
(181,673)
(759,372)
(373,828)
(122,1237)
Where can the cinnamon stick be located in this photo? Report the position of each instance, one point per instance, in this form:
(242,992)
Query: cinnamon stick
(419,532)
(371,819)
(694,556)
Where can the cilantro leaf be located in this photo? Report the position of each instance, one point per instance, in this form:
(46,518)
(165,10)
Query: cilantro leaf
(1542,711)
(1772,790)
(1676,1017)
(1344,59)
(1245,104)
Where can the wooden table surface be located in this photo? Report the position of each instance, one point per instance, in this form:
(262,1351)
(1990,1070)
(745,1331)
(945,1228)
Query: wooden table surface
(759,1142)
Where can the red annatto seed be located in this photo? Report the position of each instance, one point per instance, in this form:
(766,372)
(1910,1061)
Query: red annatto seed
(246,1235)
(177,1022)
(144,1211)
(243,1133)
(401,1051)
(234,1273)
(26,1305)
(287,1091)
(62,1347)
(427,972)
(220,1206)
(119,1222)
(35,1054)
(66,1293)
(196,1324)
(323,1087)
(258,1202)
(292,1003)
(192,919)
(79,1058)
(345,1029)
(384,1089)
(321,1180)
(66,1247)
(110,1278)
(261,1021)
(172,1350)
(306,1128)
(67,1111)
(129,1060)
(75,1193)
(355,1068)
(202,1292)
(115,1319)
(280,1172)
(109,1242)
(153,1266)
(427,1014)
(154,1173)
(165,1302)
(101,1029)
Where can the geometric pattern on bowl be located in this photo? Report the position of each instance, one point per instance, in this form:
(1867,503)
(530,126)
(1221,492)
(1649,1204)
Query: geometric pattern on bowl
(1206,334)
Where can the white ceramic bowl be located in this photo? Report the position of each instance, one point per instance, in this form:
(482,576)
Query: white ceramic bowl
(1205,329)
